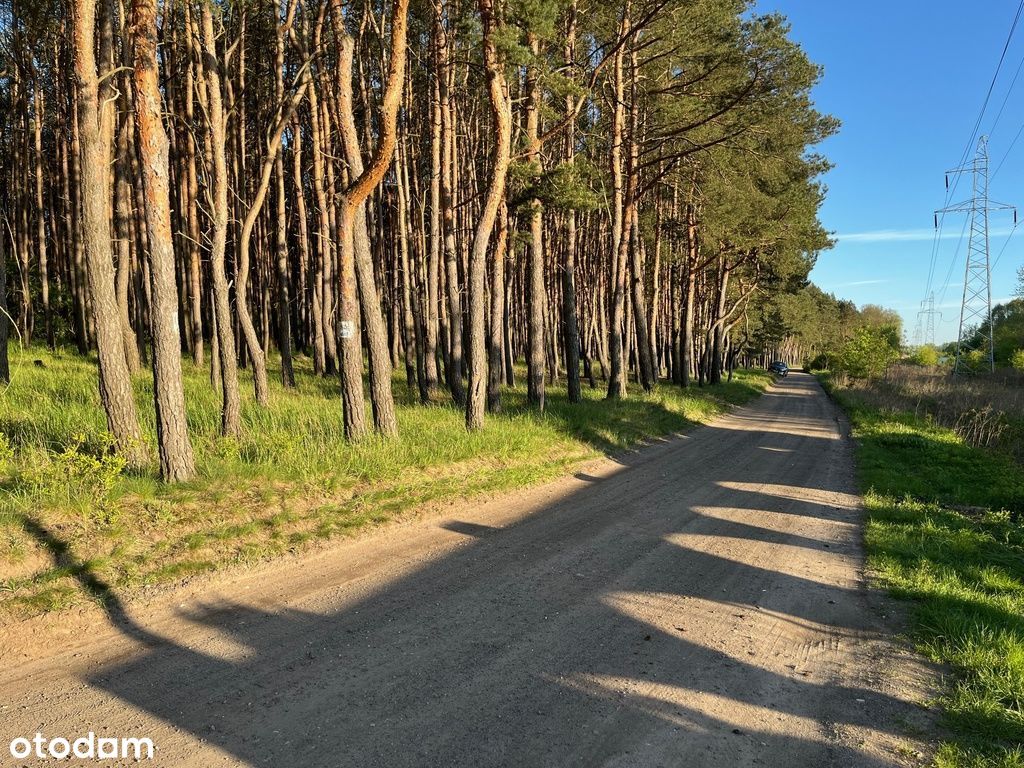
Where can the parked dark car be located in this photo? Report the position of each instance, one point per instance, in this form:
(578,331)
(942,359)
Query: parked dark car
(779,367)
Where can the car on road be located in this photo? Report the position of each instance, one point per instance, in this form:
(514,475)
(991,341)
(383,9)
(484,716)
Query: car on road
(779,367)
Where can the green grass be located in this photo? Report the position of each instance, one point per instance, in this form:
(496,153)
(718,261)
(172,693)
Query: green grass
(944,533)
(74,526)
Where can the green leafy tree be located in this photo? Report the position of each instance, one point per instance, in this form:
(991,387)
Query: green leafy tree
(926,355)
(1008,322)
(870,351)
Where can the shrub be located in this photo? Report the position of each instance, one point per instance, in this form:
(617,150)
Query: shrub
(818,363)
(1017,359)
(869,352)
(927,356)
(85,472)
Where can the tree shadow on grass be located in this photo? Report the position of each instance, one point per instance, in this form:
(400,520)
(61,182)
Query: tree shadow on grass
(84,574)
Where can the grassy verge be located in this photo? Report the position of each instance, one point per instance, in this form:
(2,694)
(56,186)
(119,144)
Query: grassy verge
(71,518)
(945,532)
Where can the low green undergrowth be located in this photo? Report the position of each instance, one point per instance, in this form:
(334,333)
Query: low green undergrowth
(944,532)
(75,525)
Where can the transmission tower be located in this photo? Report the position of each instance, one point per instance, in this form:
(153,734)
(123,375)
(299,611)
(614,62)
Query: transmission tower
(929,319)
(924,331)
(974,348)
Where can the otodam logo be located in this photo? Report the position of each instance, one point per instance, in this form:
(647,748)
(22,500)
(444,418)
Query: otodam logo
(88,747)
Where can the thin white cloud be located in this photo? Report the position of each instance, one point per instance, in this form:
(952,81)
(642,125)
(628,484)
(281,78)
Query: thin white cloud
(855,283)
(886,236)
(908,235)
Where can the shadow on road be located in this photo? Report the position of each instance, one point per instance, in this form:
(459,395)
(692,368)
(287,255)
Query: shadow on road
(591,632)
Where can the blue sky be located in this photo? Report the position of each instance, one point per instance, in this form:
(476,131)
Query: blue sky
(907,79)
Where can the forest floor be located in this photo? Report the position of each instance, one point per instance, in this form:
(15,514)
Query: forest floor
(944,532)
(289,485)
(700,602)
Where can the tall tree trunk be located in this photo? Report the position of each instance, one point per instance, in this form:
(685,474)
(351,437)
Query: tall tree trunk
(302,236)
(381,398)
(284,328)
(19,177)
(283,116)
(497,326)
(535,296)
(77,249)
(95,140)
(617,373)
(654,307)
(436,237)
(454,358)
(501,110)
(123,233)
(675,300)
(352,199)
(689,296)
(5,325)
(231,409)
(44,273)
(570,328)
(718,341)
(506,326)
(322,356)
(176,459)
(410,337)
(191,207)
(645,366)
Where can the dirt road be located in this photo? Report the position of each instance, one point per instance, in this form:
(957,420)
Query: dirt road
(696,603)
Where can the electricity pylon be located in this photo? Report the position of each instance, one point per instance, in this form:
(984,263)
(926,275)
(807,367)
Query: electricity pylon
(924,334)
(974,347)
(929,320)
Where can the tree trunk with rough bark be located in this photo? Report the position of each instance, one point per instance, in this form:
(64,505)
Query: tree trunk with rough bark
(501,111)
(535,295)
(231,408)
(351,201)
(381,398)
(570,326)
(94,116)
(176,458)
(620,237)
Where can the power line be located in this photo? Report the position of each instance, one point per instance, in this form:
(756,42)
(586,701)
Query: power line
(1008,150)
(951,190)
(992,85)
(1006,98)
